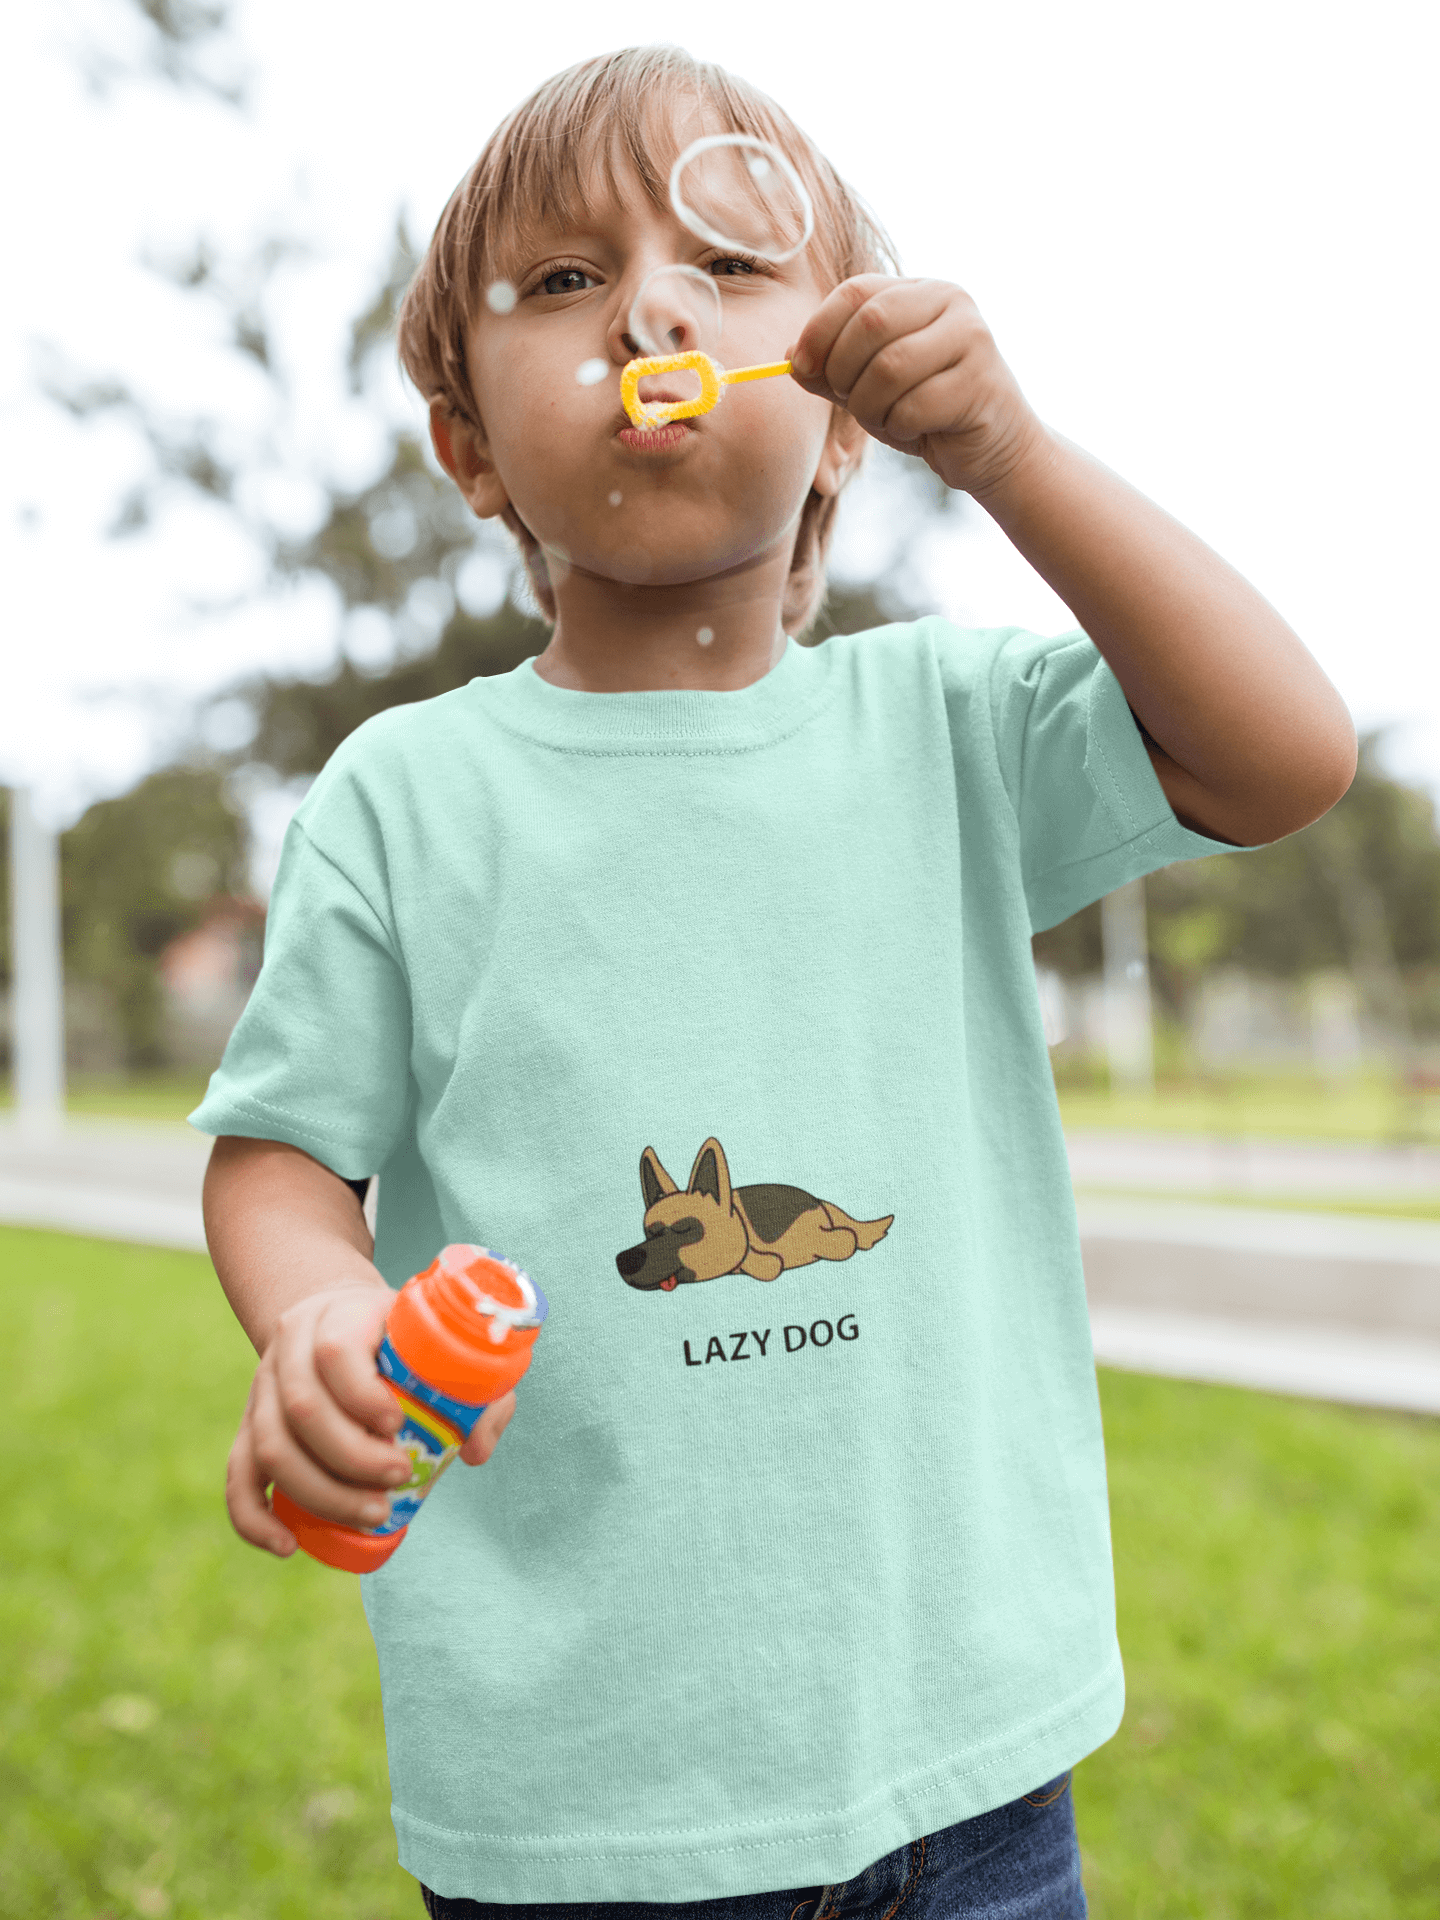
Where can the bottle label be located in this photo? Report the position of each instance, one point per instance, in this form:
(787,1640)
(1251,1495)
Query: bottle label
(433,1431)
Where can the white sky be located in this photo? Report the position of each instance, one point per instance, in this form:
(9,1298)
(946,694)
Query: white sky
(1203,238)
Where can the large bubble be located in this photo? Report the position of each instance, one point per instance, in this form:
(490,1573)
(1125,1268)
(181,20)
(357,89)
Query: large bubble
(735,190)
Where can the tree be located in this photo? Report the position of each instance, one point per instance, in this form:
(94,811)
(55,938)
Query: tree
(1357,890)
(181,41)
(134,874)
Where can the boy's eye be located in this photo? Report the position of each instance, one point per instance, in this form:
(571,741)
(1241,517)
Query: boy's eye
(567,280)
(733,264)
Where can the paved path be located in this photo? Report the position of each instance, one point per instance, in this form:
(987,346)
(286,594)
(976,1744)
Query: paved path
(118,1182)
(1315,1362)
(1330,1306)
(1196,1163)
(1251,1263)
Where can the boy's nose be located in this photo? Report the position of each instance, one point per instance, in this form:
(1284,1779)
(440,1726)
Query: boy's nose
(675,332)
(675,309)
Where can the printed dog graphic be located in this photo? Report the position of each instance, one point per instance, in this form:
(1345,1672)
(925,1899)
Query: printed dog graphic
(713,1228)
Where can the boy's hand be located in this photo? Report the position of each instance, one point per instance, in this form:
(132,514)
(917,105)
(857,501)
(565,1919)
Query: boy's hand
(319,1421)
(914,363)
(487,1430)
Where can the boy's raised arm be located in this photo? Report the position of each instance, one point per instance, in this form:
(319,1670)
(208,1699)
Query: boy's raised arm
(1251,739)
(292,1250)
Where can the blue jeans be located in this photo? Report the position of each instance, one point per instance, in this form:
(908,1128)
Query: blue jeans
(1018,1862)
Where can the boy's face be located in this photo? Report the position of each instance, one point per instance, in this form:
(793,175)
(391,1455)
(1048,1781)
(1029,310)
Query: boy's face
(690,502)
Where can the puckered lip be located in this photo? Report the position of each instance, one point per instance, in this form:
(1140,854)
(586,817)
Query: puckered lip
(626,425)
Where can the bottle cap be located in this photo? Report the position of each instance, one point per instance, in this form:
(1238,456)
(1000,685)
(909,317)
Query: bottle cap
(493,1288)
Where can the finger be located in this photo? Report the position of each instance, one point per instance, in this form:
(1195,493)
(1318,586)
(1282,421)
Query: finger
(811,351)
(486,1432)
(941,353)
(944,404)
(324,1429)
(346,1339)
(884,329)
(281,1459)
(245,1500)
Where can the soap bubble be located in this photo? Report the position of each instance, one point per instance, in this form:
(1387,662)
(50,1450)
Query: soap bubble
(590,372)
(500,297)
(705,635)
(676,309)
(128,1713)
(738,191)
(325,1810)
(616,498)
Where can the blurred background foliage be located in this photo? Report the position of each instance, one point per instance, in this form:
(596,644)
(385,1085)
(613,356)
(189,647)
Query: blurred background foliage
(137,873)
(1358,891)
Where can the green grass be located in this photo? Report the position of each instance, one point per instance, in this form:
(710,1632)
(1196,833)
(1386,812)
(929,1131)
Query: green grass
(1276,1577)
(194,1730)
(189,1727)
(1282,1106)
(1291,1107)
(1398,1206)
(148,1096)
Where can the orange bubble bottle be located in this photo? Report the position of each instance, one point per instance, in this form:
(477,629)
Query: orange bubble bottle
(457,1337)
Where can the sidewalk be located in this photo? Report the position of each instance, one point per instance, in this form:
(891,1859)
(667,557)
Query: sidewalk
(1198,1164)
(1330,1306)
(1333,1306)
(118,1181)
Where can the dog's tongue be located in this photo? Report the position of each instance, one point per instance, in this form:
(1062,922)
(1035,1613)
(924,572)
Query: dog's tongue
(668,1286)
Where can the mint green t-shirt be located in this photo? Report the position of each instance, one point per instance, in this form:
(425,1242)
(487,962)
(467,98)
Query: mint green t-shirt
(716,1012)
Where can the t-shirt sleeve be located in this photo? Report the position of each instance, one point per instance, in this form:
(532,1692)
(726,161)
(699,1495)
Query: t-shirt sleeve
(320,1056)
(1090,808)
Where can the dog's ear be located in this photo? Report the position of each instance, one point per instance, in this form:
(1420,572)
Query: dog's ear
(711,1175)
(655,1183)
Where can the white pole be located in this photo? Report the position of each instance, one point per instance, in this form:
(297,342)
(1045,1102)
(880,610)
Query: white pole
(37,999)
(1129,1029)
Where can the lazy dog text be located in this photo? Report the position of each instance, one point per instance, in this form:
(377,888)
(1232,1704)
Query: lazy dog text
(749,1346)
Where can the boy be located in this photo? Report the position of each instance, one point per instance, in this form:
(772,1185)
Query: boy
(691,969)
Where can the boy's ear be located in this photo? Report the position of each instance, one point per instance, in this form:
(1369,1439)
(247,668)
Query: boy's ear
(464,453)
(840,454)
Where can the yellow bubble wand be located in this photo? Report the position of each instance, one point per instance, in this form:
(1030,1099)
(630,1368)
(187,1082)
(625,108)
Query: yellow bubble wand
(713,381)
(763,161)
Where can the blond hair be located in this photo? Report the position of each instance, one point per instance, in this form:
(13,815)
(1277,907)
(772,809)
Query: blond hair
(532,167)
